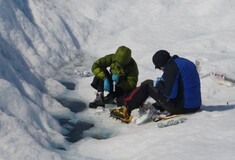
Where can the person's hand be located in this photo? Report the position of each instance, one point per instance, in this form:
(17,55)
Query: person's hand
(115,78)
(106,85)
(157,80)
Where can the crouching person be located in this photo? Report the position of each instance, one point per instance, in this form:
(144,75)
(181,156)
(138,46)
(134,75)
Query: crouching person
(119,69)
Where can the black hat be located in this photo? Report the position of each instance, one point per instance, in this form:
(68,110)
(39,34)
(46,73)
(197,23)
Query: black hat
(160,58)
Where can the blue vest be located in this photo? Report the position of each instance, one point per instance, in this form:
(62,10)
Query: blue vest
(182,83)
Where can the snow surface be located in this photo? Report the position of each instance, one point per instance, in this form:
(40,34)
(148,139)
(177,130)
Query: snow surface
(43,42)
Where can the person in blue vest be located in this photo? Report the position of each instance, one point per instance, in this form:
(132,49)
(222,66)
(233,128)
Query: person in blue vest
(177,91)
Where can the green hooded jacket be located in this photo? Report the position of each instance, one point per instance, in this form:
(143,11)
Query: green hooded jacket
(120,63)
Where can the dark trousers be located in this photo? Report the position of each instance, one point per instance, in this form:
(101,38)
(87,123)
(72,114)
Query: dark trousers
(119,94)
(146,90)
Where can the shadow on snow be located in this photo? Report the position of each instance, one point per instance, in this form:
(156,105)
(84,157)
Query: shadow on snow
(218,108)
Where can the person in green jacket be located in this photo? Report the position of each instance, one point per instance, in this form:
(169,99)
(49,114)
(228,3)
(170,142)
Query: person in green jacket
(114,73)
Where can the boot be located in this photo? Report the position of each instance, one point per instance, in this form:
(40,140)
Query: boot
(99,101)
(121,114)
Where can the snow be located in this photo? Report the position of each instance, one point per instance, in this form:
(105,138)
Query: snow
(42,43)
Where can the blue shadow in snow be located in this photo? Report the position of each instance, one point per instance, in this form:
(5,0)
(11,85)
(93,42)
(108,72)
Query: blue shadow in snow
(23,5)
(68,85)
(218,108)
(71,34)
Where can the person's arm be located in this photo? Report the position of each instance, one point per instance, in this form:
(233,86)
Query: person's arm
(97,67)
(171,81)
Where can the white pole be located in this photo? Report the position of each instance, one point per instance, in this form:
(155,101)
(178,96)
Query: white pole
(114,85)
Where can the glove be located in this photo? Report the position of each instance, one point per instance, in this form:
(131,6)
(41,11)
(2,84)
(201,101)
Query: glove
(115,78)
(157,80)
(106,85)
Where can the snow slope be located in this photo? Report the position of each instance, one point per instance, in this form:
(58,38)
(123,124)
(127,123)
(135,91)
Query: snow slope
(42,42)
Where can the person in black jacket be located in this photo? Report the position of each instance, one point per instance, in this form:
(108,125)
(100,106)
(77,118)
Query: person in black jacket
(177,91)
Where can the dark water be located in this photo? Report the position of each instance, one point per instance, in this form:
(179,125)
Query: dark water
(76,129)
(74,105)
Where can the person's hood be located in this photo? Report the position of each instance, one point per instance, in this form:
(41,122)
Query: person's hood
(123,55)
